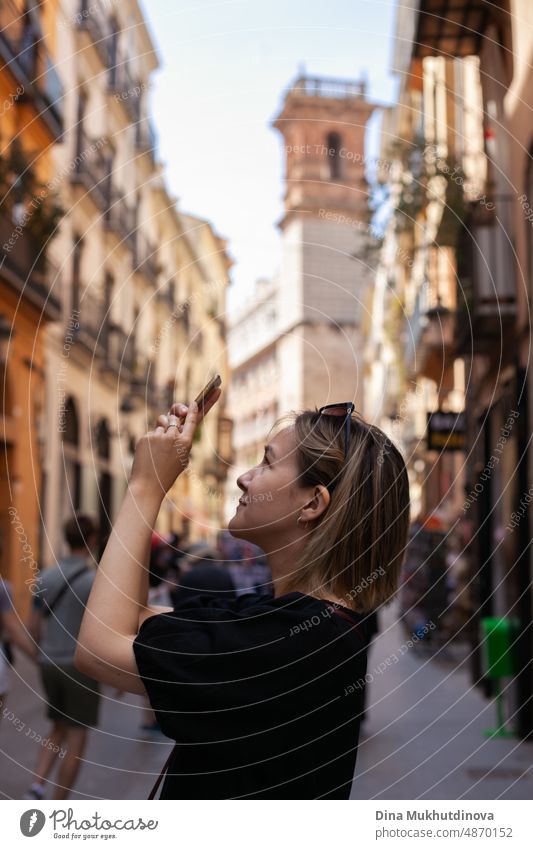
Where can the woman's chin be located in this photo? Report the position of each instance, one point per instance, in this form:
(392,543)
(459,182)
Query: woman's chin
(236,529)
(233,525)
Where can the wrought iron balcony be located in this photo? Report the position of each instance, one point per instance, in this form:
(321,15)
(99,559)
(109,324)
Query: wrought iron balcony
(124,87)
(26,270)
(93,323)
(145,136)
(93,171)
(23,54)
(143,384)
(486,279)
(146,260)
(120,219)
(166,295)
(119,352)
(92,20)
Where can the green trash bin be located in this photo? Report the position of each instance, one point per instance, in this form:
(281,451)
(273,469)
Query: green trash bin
(498,652)
(498,657)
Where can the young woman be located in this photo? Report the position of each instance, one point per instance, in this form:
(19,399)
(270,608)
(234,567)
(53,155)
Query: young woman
(261,694)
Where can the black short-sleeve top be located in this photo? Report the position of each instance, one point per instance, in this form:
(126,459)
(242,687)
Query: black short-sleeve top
(263,695)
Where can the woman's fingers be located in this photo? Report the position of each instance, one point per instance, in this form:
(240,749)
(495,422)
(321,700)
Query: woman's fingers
(179,410)
(191,421)
(169,420)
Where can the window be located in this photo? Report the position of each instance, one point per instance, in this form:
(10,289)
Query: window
(70,465)
(113,51)
(80,139)
(76,273)
(106,312)
(334,145)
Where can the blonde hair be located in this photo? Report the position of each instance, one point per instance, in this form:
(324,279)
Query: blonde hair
(356,548)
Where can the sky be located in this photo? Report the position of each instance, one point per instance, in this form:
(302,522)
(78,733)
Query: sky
(224,69)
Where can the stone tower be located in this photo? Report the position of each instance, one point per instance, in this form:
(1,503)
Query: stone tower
(325,275)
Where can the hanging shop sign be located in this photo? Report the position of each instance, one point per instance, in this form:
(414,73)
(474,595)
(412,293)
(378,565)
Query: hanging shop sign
(446,431)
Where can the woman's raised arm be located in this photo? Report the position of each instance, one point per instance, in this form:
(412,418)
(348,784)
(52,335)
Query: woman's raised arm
(118,598)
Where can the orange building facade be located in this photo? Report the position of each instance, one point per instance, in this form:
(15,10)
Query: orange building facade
(30,124)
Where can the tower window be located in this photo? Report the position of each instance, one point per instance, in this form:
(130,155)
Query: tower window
(334,161)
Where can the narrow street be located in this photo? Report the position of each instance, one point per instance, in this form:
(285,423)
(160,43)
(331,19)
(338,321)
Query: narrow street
(424,738)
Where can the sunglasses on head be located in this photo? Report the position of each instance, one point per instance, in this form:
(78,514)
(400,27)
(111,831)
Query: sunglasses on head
(343,410)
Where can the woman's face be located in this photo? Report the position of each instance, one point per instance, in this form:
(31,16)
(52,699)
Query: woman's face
(269,507)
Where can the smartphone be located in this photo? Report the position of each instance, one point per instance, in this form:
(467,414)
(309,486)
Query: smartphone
(213,384)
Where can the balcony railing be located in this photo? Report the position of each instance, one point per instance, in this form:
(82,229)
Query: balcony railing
(92,331)
(23,53)
(119,352)
(28,274)
(166,293)
(328,87)
(93,171)
(120,218)
(146,260)
(486,278)
(145,136)
(124,87)
(143,384)
(92,20)
(415,325)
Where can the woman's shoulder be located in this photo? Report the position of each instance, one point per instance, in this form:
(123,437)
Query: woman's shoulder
(290,614)
(225,606)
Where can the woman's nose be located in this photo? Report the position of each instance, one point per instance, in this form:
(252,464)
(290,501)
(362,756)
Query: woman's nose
(240,482)
(244,479)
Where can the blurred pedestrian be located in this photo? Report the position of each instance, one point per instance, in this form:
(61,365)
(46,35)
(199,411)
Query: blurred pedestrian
(201,573)
(73,698)
(247,565)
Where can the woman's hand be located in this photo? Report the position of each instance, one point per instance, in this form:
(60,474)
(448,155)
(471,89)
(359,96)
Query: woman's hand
(180,410)
(163,454)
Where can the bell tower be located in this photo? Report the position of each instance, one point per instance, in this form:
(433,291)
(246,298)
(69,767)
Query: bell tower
(325,234)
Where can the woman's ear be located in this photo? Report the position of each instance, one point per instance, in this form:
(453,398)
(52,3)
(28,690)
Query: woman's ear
(317,504)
